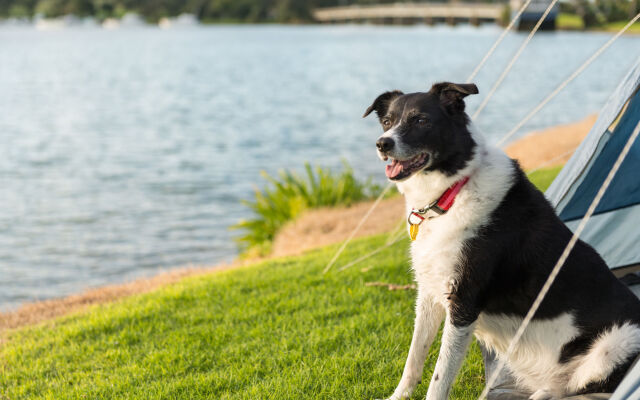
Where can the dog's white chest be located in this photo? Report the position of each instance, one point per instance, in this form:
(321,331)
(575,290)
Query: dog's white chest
(435,254)
(437,251)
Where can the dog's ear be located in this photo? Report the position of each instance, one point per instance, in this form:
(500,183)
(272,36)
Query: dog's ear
(452,94)
(381,103)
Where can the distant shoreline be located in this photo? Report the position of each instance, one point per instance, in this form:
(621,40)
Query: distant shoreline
(565,23)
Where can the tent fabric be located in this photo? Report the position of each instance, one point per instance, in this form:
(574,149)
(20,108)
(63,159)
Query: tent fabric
(629,388)
(615,234)
(609,232)
(624,190)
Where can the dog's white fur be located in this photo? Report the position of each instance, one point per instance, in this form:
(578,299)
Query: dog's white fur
(610,349)
(436,252)
(401,150)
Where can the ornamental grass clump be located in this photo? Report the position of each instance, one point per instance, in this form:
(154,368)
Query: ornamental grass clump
(289,193)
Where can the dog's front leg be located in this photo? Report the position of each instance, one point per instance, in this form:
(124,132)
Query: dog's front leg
(429,314)
(455,341)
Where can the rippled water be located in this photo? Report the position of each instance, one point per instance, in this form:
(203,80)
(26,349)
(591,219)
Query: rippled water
(125,152)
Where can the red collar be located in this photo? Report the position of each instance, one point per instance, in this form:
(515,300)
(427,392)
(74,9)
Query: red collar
(440,206)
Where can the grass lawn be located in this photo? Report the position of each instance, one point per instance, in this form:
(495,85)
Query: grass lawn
(276,330)
(616,26)
(574,22)
(569,22)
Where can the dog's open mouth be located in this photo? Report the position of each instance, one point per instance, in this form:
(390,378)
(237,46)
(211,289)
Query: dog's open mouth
(400,169)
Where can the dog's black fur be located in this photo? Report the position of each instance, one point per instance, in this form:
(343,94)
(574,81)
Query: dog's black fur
(436,121)
(506,264)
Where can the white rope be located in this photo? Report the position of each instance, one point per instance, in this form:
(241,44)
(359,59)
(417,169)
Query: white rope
(552,160)
(514,59)
(504,33)
(357,228)
(556,269)
(531,114)
(473,74)
(394,237)
(390,243)
(566,82)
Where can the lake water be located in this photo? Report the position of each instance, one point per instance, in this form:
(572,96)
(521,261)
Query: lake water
(127,152)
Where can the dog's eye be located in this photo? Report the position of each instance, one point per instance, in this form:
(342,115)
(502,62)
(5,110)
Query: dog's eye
(422,121)
(386,123)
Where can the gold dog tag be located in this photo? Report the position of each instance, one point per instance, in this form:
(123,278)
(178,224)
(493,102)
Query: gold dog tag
(413,231)
(413,228)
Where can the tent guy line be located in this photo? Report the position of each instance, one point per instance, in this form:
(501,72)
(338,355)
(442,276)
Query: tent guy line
(571,77)
(473,74)
(357,228)
(498,41)
(395,239)
(502,141)
(513,60)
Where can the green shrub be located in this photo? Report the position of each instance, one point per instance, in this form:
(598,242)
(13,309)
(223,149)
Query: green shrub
(569,21)
(286,196)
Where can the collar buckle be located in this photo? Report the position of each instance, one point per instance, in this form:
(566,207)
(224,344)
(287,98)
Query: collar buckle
(439,207)
(422,211)
(418,218)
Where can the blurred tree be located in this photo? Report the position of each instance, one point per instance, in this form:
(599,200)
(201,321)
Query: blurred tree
(292,10)
(17,8)
(19,11)
(50,8)
(598,12)
(593,12)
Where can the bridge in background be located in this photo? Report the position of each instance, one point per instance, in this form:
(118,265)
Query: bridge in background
(411,13)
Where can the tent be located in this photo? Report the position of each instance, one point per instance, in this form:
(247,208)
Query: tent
(613,229)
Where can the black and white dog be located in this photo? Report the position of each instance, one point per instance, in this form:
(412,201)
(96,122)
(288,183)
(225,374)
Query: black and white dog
(480,265)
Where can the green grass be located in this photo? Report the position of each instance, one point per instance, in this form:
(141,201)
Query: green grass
(569,22)
(542,178)
(616,26)
(574,22)
(277,330)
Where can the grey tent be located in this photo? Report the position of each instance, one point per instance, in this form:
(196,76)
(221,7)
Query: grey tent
(614,228)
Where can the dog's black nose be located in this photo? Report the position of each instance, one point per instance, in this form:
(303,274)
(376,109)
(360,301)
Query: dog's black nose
(384,144)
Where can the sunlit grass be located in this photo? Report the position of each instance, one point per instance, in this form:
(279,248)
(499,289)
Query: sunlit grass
(542,178)
(276,330)
(569,22)
(574,22)
(616,26)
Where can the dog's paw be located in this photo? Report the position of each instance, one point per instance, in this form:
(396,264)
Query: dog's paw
(394,397)
(399,395)
(542,394)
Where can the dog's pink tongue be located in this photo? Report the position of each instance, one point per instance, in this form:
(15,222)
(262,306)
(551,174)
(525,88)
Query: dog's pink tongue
(392,170)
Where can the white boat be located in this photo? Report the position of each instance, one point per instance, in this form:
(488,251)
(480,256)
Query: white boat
(110,23)
(182,20)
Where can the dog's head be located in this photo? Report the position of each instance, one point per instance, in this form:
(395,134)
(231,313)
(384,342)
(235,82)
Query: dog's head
(424,131)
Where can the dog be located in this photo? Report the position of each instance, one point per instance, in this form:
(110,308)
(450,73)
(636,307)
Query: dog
(481,256)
